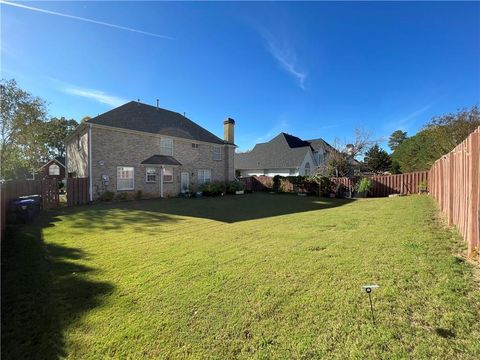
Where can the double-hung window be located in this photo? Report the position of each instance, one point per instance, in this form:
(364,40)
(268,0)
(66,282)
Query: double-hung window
(166,146)
(168,174)
(125,178)
(204,176)
(217,153)
(150,175)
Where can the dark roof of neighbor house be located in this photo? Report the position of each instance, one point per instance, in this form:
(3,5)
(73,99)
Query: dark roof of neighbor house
(142,117)
(161,160)
(283,151)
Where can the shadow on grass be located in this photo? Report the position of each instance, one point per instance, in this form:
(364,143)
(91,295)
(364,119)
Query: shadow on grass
(44,291)
(228,209)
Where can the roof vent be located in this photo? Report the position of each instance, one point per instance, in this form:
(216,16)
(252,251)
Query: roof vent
(157,104)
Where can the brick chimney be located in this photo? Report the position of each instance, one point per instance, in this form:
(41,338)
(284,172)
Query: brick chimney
(228,130)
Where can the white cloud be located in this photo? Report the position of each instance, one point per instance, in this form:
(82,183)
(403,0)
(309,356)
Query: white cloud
(83,19)
(286,57)
(96,95)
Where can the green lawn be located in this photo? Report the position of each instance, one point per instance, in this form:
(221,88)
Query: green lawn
(254,276)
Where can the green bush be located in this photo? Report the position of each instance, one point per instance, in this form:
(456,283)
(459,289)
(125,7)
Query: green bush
(122,196)
(212,188)
(277,181)
(364,185)
(107,196)
(325,186)
(139,194)
(233,186)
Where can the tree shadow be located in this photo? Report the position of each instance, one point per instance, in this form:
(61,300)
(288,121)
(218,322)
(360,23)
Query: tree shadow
(44,290)
(231,209)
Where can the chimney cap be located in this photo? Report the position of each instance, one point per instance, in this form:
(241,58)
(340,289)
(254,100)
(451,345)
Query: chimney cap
(229,121)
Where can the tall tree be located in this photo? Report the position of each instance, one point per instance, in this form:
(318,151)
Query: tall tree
(22,116)
(437,138)
(396,139)
(56,130)
(377,159)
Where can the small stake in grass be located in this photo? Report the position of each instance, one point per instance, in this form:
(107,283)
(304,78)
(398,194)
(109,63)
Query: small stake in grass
(368,289)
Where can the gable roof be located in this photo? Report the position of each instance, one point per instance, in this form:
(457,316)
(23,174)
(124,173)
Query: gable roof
(161,160)
(142,117)
(58,159)
(283,151)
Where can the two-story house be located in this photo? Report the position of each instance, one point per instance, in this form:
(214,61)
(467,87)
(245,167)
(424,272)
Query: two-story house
(284,155)
(142,147)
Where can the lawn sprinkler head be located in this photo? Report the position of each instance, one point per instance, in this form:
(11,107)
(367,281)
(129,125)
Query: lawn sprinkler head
(368,289)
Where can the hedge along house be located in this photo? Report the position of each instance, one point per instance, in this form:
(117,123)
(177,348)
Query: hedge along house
(284,155)
(142,147)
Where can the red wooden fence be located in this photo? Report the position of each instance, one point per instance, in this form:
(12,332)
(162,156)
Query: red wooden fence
(455,185)
(384,185)
(77,191)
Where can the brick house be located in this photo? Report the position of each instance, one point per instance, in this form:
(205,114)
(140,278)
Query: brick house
(141,147)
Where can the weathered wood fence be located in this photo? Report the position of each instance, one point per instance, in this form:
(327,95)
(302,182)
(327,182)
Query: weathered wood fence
(455,185)
(77,191)
(383,185)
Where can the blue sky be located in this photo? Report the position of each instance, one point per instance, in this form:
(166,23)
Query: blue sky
(309,69)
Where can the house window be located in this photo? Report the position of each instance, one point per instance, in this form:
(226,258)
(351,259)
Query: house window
(217,153)
(167,175)
(166,146)
(125,178)
(54,170)
(204,176)
(150,175)
(194,146)
(307,169)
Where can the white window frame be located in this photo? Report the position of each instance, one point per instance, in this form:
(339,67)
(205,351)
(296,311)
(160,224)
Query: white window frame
(217,153)
(166,150)
(165,169)
(57,173)
(132,179)
(202,179)
(149,171)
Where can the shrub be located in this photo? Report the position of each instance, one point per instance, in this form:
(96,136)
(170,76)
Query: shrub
(325,186)
(233,186)
(364,185)
(139,194)
(212,188)
(277,181)
(122,196)
(107,196)
(423,185)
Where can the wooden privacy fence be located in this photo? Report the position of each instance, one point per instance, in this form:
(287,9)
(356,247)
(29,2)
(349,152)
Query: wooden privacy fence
(384,185)
(77,191)
(47,189)
(455,185)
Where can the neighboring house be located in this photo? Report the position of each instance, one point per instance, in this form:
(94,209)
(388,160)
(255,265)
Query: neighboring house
(284,155)
(142,147)
(54,168)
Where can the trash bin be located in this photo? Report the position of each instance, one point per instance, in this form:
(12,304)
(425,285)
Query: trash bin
(24,210)
(37,205)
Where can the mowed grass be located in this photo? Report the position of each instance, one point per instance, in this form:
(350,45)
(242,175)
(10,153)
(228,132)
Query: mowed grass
(257,276)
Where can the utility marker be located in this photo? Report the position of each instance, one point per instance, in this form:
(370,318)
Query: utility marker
(368,289)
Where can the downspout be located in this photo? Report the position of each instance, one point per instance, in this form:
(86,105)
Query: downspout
(90,162)
(161,181)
